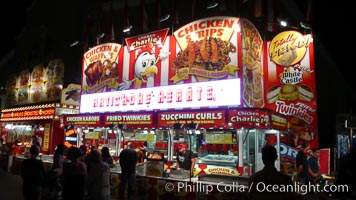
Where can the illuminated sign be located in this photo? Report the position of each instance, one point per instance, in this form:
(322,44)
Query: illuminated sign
(201,117)
(70,137)
(83,119)
(31,114)
(257,117)
(129,118)
(193,95)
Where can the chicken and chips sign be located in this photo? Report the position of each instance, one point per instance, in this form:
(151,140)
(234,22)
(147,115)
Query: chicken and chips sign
(205,49)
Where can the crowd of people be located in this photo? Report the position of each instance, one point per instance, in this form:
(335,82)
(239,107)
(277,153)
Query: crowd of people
(79,173)
(82,173)
(75,174)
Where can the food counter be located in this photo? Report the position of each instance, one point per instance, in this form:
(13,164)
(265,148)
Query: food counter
(166,187)
(224,160)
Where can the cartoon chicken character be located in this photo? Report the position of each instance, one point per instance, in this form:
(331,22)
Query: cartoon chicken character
(145,67)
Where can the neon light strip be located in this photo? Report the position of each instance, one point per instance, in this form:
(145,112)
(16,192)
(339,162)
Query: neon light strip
(193,95)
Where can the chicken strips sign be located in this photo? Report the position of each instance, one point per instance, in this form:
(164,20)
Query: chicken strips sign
(205,49)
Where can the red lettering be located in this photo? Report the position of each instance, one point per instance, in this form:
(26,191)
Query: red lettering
(124,100)
(132,99)
(101,102)
(148,98)
(179,95)
(209,94)
(190,94)
(117,101)
(169,96)
(161,97)
(140,98)
(199,93)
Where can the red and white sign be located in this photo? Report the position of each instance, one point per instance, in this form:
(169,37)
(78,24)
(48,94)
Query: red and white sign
(155,38)
(249,117)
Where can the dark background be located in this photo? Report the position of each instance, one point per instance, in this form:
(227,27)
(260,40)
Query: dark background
(35,31)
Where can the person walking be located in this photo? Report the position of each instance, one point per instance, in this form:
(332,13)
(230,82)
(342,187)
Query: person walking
(98,177)
(302,164)
(314,169)
(269,177)
(128,159)
(74,176)
(33,175)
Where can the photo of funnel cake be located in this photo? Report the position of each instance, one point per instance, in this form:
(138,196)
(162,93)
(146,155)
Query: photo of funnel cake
(288,58)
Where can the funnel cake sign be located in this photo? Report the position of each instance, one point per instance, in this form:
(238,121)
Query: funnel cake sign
(288,48)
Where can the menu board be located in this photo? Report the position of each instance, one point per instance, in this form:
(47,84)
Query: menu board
(218,138)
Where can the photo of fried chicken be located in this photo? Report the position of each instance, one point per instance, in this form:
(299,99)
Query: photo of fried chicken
(209,53)
(94,72)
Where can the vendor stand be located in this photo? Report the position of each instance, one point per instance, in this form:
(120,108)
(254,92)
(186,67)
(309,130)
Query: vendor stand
(37,123)
(205,86)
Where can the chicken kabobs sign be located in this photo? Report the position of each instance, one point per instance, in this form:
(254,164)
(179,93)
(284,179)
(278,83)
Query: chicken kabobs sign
(193,95)
(208,49)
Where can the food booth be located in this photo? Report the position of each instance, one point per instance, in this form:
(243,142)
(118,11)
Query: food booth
(22,125)
(215,85)
(35,100)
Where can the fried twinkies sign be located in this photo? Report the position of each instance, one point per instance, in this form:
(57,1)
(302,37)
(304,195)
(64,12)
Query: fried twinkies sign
(142,118)
(193,95)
